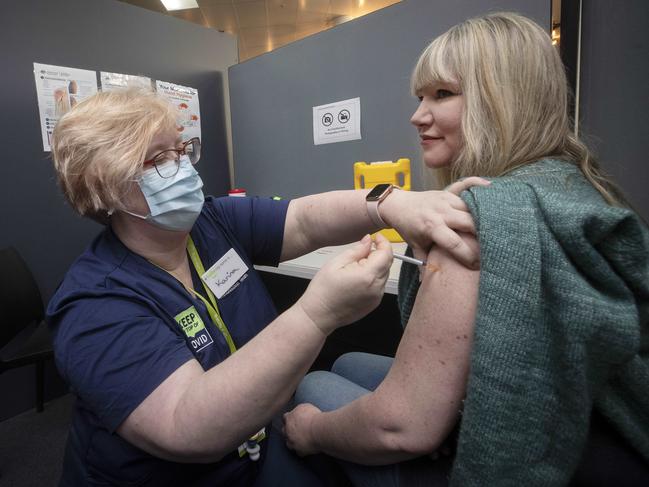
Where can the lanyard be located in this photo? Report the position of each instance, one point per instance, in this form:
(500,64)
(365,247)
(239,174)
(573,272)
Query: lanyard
(212,307)
(251,446)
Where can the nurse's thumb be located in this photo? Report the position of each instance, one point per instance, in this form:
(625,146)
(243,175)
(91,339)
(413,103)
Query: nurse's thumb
(360,250)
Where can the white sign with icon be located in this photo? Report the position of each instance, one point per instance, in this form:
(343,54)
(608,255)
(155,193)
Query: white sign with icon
(337,122)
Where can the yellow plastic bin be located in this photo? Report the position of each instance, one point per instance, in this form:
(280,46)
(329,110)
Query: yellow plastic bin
(368,175)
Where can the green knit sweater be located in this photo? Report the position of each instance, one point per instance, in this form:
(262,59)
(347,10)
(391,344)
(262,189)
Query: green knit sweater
(562,326)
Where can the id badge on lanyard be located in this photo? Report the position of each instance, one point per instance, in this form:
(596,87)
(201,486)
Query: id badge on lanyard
(225,273)
(217,282)
(251,447)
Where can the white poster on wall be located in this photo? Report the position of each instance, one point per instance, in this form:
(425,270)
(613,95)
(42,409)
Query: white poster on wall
(58,89)
(337,122)
(116,81)
(186,100)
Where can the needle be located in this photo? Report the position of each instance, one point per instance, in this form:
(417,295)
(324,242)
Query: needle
(409,260)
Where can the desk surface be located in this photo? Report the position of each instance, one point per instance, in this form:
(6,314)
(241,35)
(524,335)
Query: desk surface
(307,265)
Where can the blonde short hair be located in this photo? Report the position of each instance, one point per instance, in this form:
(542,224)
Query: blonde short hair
(99,146)
(516,98)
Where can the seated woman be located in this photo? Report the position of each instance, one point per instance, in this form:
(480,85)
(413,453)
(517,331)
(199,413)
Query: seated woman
(554,325)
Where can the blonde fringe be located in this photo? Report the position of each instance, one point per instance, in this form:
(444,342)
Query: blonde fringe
(516,100)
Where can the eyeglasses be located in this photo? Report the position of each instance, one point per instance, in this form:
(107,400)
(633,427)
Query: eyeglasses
(167,162)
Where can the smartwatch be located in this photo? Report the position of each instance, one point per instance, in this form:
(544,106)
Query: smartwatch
(373,198)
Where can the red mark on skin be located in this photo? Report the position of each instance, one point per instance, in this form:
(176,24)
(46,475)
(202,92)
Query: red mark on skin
(431,267)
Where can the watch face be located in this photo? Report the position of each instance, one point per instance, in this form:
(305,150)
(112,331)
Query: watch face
(377,192)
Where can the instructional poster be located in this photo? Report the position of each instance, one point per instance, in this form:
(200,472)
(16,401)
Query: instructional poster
(58,89)
(115,81)
(186,100)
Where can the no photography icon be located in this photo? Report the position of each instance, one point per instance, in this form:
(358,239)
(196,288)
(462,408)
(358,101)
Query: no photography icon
(327,119)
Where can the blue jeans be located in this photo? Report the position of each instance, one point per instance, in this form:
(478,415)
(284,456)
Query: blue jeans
(353,375)
(283,468)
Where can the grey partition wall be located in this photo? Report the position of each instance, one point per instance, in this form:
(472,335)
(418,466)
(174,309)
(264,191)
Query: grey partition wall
(101,35)
(271,96)
(613,101)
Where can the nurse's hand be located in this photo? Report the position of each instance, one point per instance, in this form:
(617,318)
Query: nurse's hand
(348,286)
(297,429)
(434,217)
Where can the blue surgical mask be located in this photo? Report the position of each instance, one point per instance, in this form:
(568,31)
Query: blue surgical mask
(175,202)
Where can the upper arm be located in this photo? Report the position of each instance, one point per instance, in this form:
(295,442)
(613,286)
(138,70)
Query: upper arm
(295,242)
(114,352)
(128,367)
(152,426)
(431,368)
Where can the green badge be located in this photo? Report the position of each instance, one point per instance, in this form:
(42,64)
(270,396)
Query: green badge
(190,321)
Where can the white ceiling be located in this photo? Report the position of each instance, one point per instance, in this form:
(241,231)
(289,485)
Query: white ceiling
(264,25)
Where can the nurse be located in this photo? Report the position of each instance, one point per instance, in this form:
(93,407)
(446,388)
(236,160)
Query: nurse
(162,327)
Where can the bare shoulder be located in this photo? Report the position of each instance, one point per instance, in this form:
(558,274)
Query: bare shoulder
(447,299)
(441,262)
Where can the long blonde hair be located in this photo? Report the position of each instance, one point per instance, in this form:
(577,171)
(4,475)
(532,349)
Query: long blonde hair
(516,99)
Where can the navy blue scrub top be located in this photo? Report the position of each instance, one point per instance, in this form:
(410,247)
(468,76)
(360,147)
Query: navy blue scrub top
(116,338)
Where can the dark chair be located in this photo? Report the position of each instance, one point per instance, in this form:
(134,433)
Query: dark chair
(24,337)
(608,459)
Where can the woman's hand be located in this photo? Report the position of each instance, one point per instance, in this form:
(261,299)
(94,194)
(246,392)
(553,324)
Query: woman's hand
(424,218)
(297,429)
(348,286)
